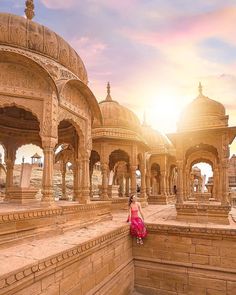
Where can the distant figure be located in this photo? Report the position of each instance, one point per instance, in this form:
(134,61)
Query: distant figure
(23,159)
(175,190)
(137,227)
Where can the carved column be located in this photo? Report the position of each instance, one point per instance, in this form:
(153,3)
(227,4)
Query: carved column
(225,182)
(163,183)
(77,182)
(47,182)
(10,157)
(216,181)
(84,198)
(127,186)
(9,174)
(143,182)
(105,170)
(63,178)
(133,169)
(167,184)
(148,183)
(180,182)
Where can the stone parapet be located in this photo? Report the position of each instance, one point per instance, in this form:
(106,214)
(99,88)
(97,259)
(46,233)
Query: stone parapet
(30,222)
(203,213)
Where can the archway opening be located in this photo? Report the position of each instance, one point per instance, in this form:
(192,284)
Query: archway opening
(19,134)
(95,175)
(201,178)
(63,172)
(2,173)
(119,175)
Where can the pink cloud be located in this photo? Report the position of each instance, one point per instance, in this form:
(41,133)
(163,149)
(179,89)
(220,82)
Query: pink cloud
(59,4)
(90,50)
(217,23)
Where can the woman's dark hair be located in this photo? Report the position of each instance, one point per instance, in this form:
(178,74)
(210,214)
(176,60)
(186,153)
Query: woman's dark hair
(131,199)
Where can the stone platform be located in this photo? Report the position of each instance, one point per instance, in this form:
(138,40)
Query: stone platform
(176,258)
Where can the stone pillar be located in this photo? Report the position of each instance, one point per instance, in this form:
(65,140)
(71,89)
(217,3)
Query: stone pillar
(133,169)
(163,183)
(143,182)
(9,174)
(85,191)
(167,184)
(225,182)
(180,182)
(77,182)
(10,157)
(105,170)
(216,190)
(63,178)
(148,184)
(47,182)
(127,186)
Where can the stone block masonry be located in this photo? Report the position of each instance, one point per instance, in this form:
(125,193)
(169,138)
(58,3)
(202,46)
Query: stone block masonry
(185,260)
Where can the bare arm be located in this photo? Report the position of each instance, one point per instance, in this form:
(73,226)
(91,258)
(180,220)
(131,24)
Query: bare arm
(129,214)
(140,211)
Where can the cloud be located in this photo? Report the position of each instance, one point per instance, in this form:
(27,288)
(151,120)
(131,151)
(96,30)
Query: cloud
(59,4)
(189,29)
(89,49)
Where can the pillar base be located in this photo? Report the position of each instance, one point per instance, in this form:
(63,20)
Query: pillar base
(161,199)
(21,195)
(203,213)
(113,191)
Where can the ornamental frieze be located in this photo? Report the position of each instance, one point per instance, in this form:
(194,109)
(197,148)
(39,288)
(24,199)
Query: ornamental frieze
(56,70)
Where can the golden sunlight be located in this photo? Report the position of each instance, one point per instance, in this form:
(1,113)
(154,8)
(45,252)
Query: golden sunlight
(165,111)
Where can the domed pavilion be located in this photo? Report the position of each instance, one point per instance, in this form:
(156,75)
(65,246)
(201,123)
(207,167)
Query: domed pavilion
(161,166)
(203,136)
(44,100)
(120,147)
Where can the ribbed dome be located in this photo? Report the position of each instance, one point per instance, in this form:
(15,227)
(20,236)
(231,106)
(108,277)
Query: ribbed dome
(117,116)
(155,138)
(203,113)
(20,32)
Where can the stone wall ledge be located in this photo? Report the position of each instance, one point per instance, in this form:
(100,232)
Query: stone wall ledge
(192,230)
(26,214)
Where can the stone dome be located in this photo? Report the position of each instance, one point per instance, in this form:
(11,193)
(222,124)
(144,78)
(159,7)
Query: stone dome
(117,116)
(154,138)
(203,113)
(23,33)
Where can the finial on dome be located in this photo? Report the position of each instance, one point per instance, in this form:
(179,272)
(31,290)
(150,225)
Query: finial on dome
(200,89)
(29,9)
(108,98)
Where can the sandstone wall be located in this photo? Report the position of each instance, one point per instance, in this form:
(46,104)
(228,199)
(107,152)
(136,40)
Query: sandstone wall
(102,266)
(185,260)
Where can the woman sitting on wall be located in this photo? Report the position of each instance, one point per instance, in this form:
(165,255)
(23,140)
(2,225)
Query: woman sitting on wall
(137,227)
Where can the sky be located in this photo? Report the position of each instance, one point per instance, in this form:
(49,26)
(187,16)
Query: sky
(153,52)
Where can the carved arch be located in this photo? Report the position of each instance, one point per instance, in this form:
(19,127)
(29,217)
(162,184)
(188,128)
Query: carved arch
(86,93)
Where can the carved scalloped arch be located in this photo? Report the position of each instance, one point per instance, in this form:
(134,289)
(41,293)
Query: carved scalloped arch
(201,156)
(17,54)
(33,109)
(77,122)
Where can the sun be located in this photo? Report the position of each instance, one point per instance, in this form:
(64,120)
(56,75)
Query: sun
(164,111)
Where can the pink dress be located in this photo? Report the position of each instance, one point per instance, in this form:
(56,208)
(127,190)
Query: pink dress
(137,227)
